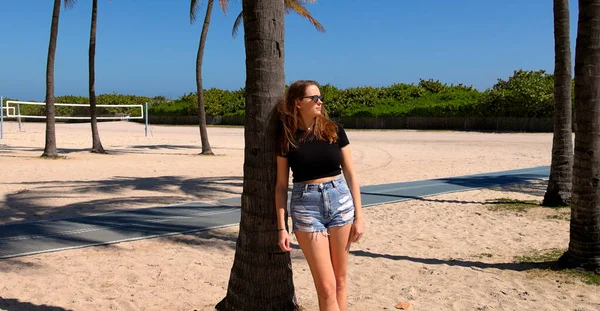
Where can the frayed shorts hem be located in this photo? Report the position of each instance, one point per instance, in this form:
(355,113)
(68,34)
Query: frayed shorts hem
(342,224)
(350,221)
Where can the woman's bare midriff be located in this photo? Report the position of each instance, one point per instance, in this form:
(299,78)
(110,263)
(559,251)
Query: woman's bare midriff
(319,180)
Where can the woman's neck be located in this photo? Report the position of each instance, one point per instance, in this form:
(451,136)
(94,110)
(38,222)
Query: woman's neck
(308,124)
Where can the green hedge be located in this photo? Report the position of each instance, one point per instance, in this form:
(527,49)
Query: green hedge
(525,94)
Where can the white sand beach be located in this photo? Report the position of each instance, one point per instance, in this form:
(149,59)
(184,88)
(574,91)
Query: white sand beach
(448,252)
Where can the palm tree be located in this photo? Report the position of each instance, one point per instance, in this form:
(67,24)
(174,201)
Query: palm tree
(296,6)
(194,4)
(290,5)
(261,276)
(584,242)
(558,192)
(50,145)
(96,143)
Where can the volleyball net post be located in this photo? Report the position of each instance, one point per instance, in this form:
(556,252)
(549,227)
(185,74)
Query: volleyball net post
(1,117)
(18,113)
(146,120)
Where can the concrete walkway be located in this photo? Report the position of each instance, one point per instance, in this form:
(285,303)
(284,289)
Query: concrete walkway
(114,227)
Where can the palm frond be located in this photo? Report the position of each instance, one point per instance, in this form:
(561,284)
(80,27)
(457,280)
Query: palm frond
(69,3)
(298,7)
(236,26)
(224,5)
(194,6)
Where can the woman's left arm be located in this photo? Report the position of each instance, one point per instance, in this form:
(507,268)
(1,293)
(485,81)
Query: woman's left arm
(358,227)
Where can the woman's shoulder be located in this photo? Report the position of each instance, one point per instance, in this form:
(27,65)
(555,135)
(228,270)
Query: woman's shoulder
(339,126)
(341,134)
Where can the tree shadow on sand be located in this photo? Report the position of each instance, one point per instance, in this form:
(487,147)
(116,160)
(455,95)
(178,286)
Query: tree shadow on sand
(126,211)
(40,150)
(535,187)
(514,266)
(165,149)
(9,304)
(30,203)
(212,237)
(108,229)
(11,263)
(205,238)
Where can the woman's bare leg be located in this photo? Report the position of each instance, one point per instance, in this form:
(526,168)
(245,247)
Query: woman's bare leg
(338,246)
(315,246)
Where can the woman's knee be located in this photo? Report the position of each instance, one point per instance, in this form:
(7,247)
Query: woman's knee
(340,282)
(328,289)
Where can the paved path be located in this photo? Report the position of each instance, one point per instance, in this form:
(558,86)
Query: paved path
(61,234)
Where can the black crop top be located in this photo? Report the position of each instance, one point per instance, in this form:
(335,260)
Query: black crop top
(314,158)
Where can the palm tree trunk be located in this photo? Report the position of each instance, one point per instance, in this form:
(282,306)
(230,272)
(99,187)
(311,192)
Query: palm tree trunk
(584,244)
(96,144)
(201,111)
(261,276)
(558,192)
(50,146)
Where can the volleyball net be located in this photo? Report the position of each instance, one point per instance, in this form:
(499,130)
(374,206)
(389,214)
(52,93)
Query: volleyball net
(23,110)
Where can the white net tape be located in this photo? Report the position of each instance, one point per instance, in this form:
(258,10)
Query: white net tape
(21,109)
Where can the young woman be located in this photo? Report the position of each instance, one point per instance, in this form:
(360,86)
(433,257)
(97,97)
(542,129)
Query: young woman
(326,211)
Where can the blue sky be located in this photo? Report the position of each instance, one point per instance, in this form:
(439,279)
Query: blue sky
(148,47)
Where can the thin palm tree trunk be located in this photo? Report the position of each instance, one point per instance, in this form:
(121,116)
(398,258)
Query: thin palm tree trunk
(558,192)
(96,144)
(50,146)
(206,149)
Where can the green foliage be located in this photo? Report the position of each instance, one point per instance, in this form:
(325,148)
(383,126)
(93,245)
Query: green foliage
(226,103)
(174,108)
(525,94)
(428,99)
(333,98)
(217,102)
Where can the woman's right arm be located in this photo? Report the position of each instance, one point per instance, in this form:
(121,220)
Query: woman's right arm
(281,189)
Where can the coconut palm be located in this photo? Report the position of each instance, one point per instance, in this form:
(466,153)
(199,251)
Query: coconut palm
(194,6)
(558,192)
(50,144)
(584,240)
(96,143)
(261,276)
(290,6)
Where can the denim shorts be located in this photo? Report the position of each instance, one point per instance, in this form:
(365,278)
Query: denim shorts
(316,207)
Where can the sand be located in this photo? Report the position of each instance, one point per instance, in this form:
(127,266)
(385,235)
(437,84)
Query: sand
(447,252)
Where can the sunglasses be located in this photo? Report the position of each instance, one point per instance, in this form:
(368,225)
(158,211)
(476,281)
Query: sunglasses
(316,98)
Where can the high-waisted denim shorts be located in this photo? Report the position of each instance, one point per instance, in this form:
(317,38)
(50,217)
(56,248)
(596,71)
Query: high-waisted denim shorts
(316,207)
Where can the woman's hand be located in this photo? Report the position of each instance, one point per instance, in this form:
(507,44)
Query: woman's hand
(284,241)
(357,230)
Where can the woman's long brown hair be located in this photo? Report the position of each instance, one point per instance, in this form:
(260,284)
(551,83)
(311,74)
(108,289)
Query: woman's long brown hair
(323,129)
